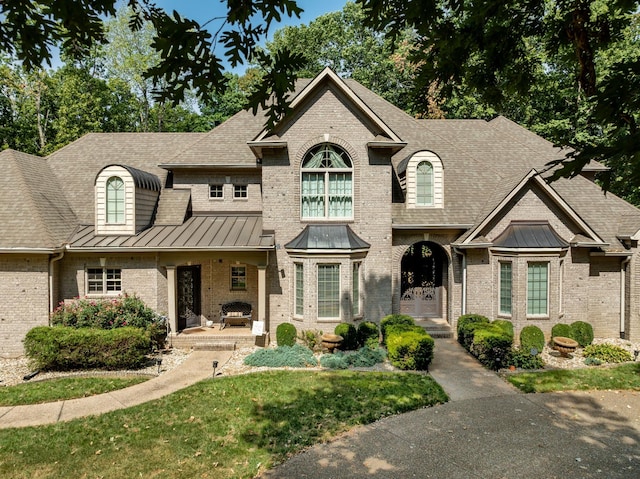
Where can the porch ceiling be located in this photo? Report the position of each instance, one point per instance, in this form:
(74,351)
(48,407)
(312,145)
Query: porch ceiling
(203,233)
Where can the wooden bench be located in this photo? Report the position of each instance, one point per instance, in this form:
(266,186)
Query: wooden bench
(235,313)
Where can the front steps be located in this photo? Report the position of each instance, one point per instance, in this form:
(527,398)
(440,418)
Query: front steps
(437,328)
(220,341)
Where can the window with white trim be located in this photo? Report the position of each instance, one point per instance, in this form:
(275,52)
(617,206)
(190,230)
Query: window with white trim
(238,277)
(328,291)
(240,192)
(537,289)
(104,280)
(424,184)
(355,290)
(326,183)
(506,288)
(115,200)
(299,289)
(216,192)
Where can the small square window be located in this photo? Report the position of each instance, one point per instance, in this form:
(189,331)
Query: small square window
(238,278)
(216,191)
(240,191)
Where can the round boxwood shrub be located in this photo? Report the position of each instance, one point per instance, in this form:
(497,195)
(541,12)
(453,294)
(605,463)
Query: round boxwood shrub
(368,334)
(582,332)
(393,320)
(286,334)
(410,349)
(531,337)
(491,345)
(349,335)
(561,330)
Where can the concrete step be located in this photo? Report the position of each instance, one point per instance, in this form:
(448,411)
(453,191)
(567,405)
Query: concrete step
(211,343)
(436,328)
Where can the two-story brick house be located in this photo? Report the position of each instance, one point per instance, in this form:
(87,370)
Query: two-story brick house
(347,210)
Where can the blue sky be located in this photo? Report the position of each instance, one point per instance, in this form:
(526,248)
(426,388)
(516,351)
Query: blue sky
(204,10)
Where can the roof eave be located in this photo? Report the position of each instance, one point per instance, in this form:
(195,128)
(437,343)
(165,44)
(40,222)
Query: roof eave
(200,166)
(430,226)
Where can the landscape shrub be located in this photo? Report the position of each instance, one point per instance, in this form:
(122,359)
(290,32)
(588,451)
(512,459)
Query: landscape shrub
(521,358)
(607,353)
(532,337)
(296,356)
(368,334)
(63,348)
(491,345)
(286,334)
(363,358)
(561,330)
(507,326)
(409,347)
(394,320)
(582,332)
(349,335)
(311,338)
(466,325)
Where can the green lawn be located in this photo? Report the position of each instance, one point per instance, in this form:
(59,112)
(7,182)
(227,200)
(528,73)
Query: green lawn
(229,427)
(64,388)
(626,376)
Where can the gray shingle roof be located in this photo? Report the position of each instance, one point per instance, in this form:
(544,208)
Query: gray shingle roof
(173,207)
(34,212)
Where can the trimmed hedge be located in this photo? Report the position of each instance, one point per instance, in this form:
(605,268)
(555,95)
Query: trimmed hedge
(504,324)
(286,334)
(368,334)
(561,330)
(394,319)
(409,346)
(491,345)
(63,348)
(531,337)
(582,332)
(349,335)
(467,325)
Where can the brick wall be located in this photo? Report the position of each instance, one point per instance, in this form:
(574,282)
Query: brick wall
(24,290)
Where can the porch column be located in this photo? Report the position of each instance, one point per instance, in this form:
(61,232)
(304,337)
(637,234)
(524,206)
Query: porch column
(262,293)
(172,286)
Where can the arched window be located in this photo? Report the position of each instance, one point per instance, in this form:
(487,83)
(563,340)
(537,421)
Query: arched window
(327,184)
(424,184)
(115,200)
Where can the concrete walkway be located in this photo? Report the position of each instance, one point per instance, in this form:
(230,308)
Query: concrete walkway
(487,430)
(197,366)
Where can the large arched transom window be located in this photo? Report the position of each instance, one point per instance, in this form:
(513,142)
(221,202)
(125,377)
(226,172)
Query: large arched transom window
(115,200)
(327,183)
(424,184)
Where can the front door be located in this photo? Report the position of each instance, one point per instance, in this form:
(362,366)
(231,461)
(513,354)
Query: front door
(422,280)
(188,297)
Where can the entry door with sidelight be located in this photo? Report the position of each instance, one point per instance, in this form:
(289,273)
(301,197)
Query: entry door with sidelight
(188,297)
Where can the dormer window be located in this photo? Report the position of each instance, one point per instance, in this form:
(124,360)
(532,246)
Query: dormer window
(115,200)
(424,181)
(327,183)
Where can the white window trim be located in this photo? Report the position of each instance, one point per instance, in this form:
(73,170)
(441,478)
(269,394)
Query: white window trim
(104,291)
(539,315)
(245,190)
(296,297)
(500,311)
(411,177)
(328,318)
(216,198)
(231,276)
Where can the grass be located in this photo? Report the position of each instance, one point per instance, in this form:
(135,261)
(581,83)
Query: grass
(229,427)
(626,376)
(64,388)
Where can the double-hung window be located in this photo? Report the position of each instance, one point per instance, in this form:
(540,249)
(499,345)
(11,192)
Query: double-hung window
(506,287)
(299,291)
(104,280)
(115,200)
(327,183)
(328,291)
(355,290)
(537,289)
(238,278)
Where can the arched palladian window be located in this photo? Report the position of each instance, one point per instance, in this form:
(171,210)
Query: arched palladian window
(115,200)
(424,184)
(327,183)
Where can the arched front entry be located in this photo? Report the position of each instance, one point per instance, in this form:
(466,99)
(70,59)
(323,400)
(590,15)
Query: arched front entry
(423,280)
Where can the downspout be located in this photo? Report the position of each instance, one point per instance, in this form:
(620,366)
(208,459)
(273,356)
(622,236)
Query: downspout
(52,260)
(464,284)
(623,287)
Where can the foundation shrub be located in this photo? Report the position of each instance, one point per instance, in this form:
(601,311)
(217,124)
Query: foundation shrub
(409,347)
(349,335)
(363,358)
(561,330)
(507,326)
(523,359)
(491,345)
(296,356)
(582,332)
(607,353)
(466,325)
(311,338)
(63,348)
(286,334)
(368,334)
(394,320)
(531,337)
